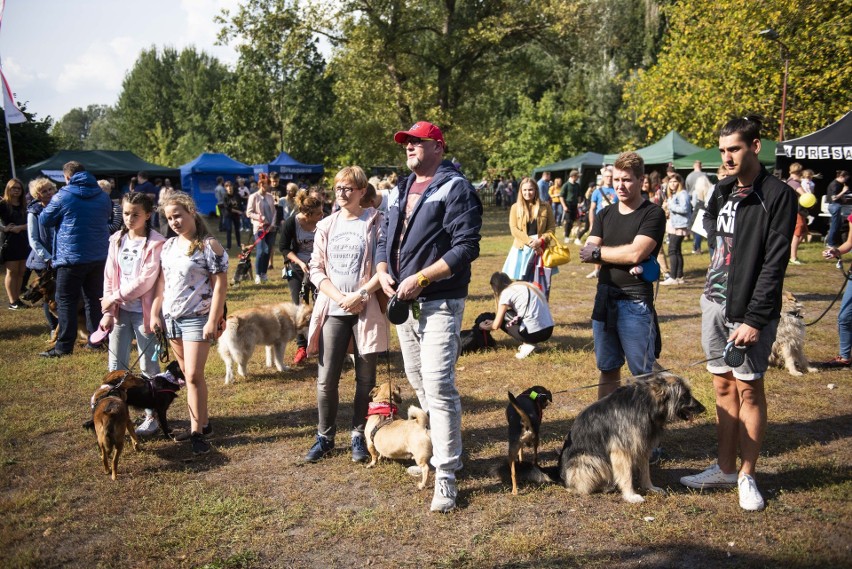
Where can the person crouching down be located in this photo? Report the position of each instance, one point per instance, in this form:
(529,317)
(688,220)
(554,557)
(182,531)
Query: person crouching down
(522,313)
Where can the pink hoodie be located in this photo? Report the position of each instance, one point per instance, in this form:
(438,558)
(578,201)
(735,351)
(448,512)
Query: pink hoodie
(142,285)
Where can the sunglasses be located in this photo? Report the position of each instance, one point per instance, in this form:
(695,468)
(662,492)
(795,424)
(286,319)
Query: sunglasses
(415,141)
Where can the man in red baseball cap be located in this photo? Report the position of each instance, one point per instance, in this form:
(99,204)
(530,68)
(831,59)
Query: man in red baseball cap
(431,237)
(422,130)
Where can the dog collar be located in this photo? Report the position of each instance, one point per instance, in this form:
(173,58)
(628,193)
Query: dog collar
(381,408)
(533,395)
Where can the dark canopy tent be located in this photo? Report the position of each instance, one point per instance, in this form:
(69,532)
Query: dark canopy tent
(711,159)
(199,177)
(119,164)
(290,168)
(665,150)
(580,162)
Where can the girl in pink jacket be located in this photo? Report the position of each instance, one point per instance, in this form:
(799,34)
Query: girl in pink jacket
(132,268)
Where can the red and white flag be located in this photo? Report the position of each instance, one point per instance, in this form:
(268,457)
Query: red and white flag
(13,113)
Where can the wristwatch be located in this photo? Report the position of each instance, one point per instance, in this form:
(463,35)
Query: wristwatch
(596,254)
(422,280)
(364,295)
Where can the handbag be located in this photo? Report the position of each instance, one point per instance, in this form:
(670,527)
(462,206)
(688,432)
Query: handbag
(554,254)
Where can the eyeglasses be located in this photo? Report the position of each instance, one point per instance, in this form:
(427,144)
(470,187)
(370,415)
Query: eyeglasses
(415,141)
(344,190)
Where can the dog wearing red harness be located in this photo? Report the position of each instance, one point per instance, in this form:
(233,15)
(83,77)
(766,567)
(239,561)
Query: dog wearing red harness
(390,436)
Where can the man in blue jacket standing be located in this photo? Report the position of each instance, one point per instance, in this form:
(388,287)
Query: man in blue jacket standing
(424,255)
(82,211)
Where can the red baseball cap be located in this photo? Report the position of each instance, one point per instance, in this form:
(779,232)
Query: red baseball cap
(421,129)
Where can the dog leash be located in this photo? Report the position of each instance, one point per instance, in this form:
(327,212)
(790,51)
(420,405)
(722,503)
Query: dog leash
(847,275)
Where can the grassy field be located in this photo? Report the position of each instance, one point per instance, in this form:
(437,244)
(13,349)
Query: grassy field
(252,504)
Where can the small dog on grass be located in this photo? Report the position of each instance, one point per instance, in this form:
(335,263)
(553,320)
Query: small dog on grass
(273,326)
(111,419)
(390,436)
(44,289)
(524,414)
(788,350)
(155,393)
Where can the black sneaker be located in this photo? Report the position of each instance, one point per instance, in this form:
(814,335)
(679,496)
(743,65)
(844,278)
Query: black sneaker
(186,435)
(322,447)
(199,444)
(52,353)
(15,305)
(359,449)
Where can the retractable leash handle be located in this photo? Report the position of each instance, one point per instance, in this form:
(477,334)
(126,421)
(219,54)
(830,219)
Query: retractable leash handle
(734,355)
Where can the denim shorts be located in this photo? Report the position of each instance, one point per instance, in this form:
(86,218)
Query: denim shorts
(632,338)
(188,328)
(715,330)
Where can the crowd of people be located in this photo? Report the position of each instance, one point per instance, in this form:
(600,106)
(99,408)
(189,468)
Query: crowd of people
(413,241)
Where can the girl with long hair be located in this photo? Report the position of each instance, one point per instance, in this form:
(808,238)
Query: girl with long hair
(262,212)
(130,276)
(13,214)
(522,313)
(529,219)
(191,293)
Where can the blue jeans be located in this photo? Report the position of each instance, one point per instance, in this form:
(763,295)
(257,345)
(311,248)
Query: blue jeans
(833,237)
(696,244)
(430,347)
(633,337)
(71,281)
(844,322)
(557,213)
(127,326)
(264,246)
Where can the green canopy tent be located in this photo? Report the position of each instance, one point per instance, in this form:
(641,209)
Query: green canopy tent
(587,160)
(669,148)
(711,160)
(101,163)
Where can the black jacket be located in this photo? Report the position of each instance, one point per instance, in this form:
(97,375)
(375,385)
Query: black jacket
(763,231)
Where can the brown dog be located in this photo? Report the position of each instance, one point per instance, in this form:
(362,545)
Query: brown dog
(111,418)
(390,436)
(44,289)
(524,414)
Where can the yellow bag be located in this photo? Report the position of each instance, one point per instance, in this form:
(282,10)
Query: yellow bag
(554,254)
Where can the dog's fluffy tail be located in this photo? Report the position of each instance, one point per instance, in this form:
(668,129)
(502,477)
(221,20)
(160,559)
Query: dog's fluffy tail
(528,472)
(418,414)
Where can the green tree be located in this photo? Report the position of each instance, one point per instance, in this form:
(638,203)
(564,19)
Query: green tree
(31,142)
(714,63)
(163,110)
(73,129)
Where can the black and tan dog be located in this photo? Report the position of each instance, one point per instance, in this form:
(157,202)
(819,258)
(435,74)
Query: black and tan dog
(524,414)
(43,289)
(155,393)
(111,419)
(614,436)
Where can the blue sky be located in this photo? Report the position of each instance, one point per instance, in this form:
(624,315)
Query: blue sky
(61,54)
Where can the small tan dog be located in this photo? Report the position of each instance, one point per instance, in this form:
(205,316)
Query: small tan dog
(390,436)
(271,325)
(111,418)
(788,350)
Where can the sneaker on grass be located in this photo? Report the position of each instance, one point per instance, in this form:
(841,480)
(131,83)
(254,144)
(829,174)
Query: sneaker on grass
(186,435)
(359,449)
(148,427)
(713,477)
(199,443)
(444,499)
(750,498)
(321,448)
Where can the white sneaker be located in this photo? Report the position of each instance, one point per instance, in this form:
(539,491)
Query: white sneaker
(524,351)
(681,281)
(750,498)
(592,275)
(567,240)
(669,281)
(577,242)
(148,427)
(713,477)
(257,279)
(264,278)
(444,498)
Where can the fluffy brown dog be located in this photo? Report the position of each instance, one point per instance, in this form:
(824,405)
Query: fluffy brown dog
(111,418)
(614,436)
(788,351)
(389,436)
(272,325)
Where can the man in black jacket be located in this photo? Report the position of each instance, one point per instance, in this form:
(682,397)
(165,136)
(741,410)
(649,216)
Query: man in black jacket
(750,218)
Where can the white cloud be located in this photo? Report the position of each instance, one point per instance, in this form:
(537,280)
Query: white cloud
(102,65)
(15,73)
(201,30)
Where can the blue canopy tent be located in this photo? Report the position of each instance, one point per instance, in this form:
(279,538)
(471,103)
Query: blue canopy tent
(198,177)
(289,167)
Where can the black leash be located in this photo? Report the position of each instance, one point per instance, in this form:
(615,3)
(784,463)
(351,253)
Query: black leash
(846,276)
